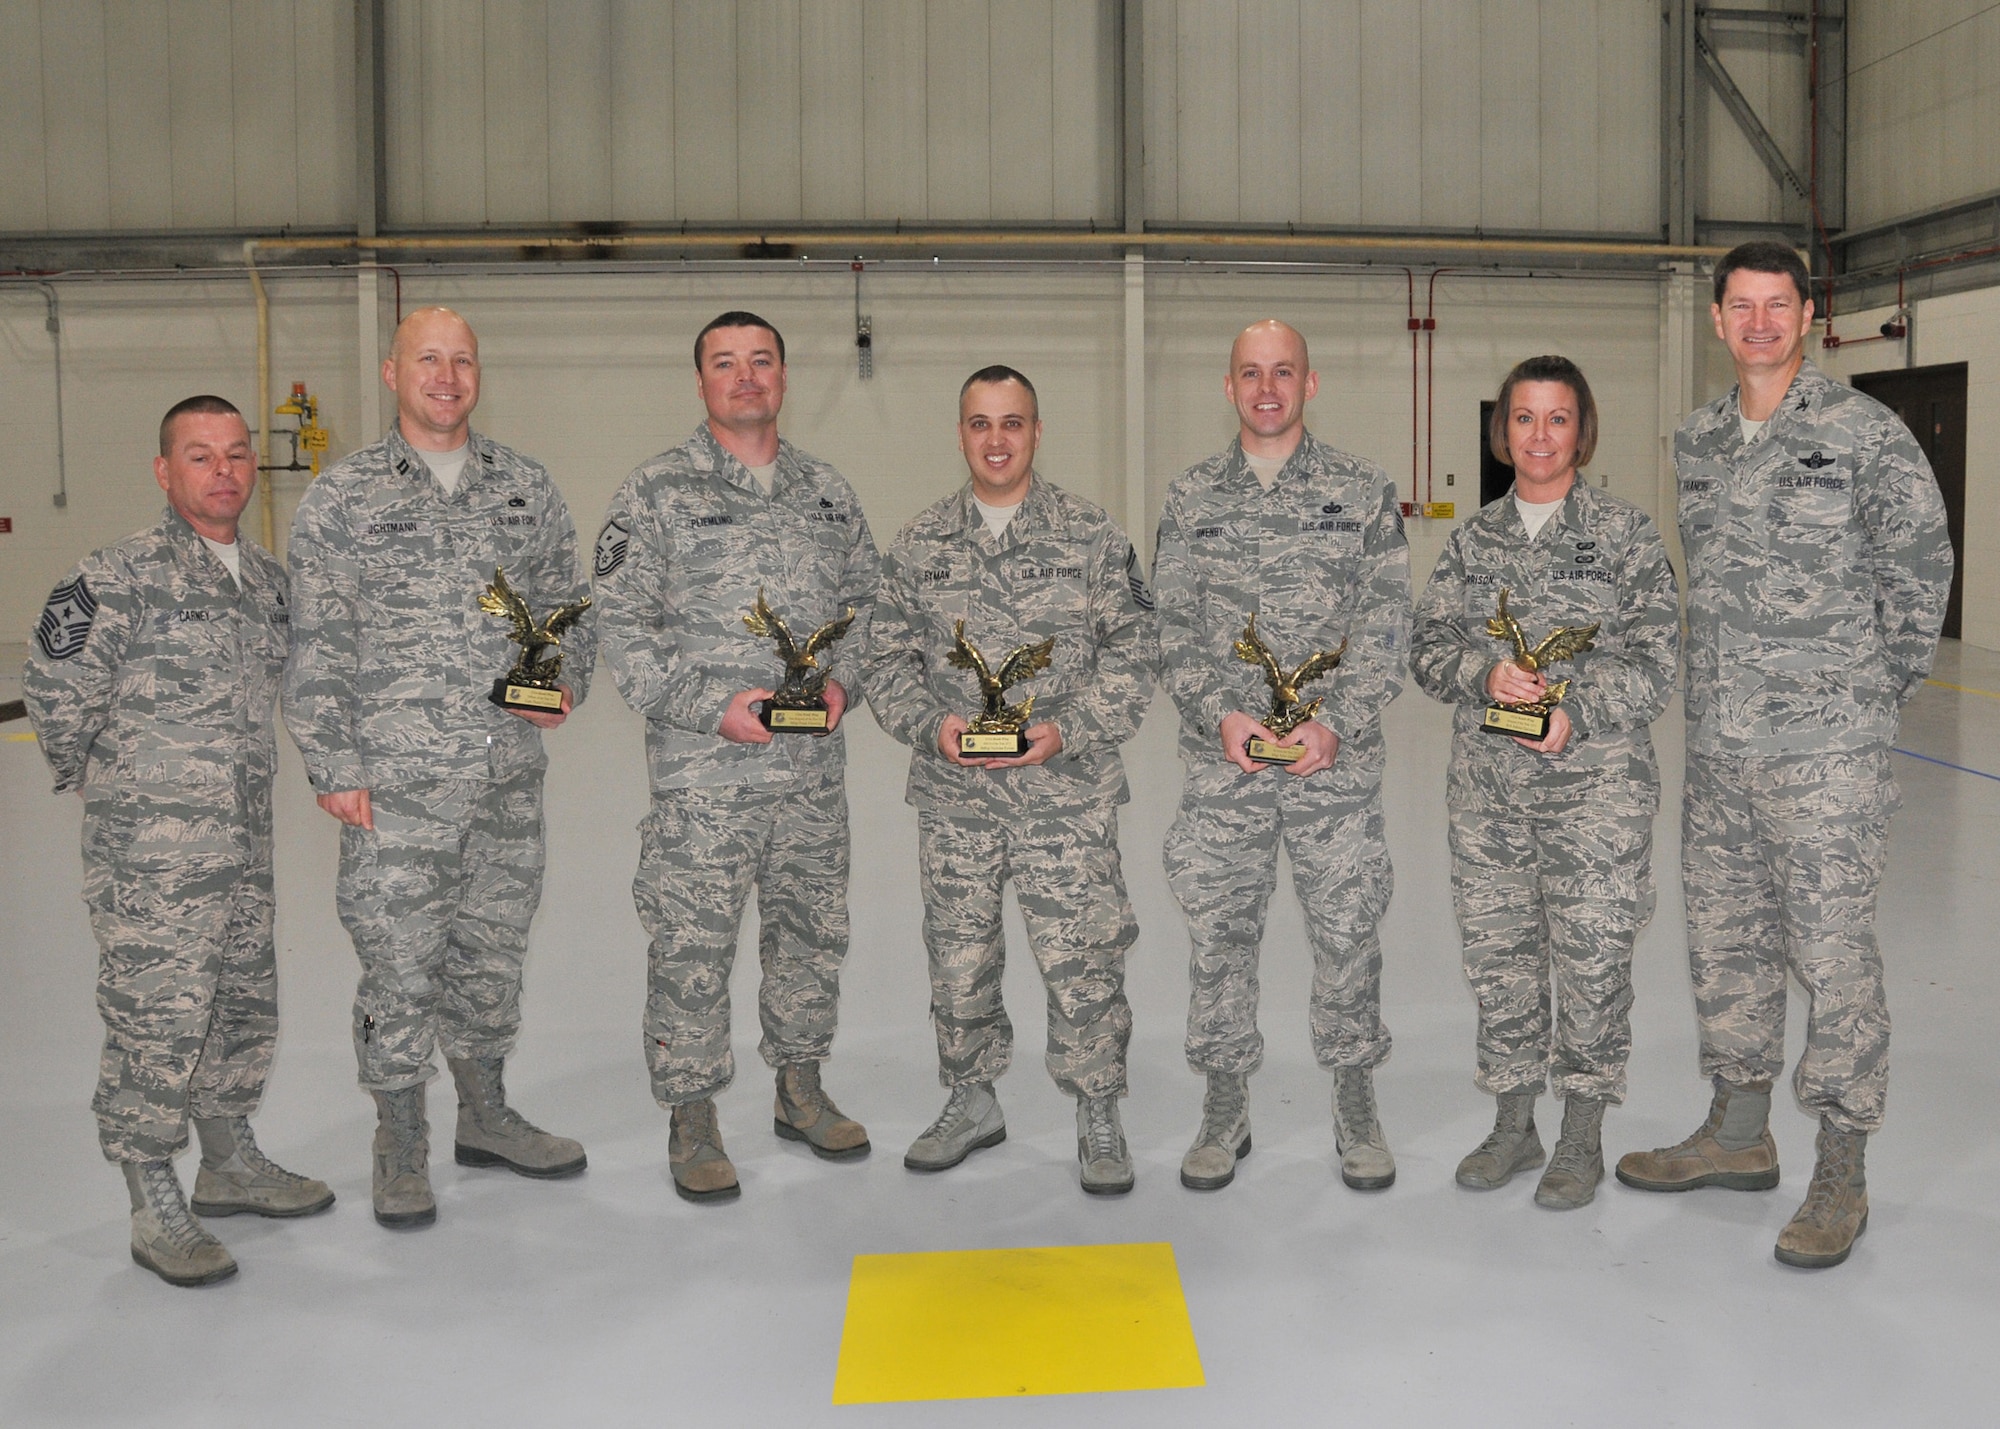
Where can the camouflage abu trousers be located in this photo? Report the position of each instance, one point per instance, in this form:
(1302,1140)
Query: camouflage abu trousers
(187,985)
(438,898)
(1222,864)
(1782,859)
(1548,908)
(1071,887)
(700,850)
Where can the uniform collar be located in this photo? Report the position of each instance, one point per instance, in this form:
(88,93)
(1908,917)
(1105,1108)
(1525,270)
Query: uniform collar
(192,551)
(1800,405)
(727,465)
(1034,515)
(407,462)
(1237,469)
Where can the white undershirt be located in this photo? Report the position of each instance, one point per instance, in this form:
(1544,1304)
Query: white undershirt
(1536,514)
(1751,430)
(765,475)
(230,555)
(1265,468)
(996,517)
(447,467)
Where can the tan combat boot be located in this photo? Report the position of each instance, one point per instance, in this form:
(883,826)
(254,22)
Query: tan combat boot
(1577,1165)
(165,1238)
(1365,1162)
(1224,1136)
(1512,1146)
(402,1170)
(701,1168)
(1835,1212)
(1733,1149)
(236,1176)
(1101,1148)
(806,1113)
(491,1133)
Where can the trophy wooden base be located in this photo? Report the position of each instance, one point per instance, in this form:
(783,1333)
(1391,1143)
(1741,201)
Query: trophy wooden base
(1528,724)
(542,699)
(989,744)
(793,719)
(1265,752)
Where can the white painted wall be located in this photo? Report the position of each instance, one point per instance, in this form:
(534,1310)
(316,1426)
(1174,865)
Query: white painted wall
(1964,327)
(1923,107)
(592,373)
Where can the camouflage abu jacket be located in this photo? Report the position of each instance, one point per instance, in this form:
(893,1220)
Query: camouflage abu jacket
(393,661)
(1818,567)
(1319,558)
(1062,568)
(1598,560)
(152,680)
(688,541)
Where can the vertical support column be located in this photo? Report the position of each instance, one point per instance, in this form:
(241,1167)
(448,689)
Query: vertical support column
(1680,337)
(368,352)
(371,154)
(1138,519)
(1678,92)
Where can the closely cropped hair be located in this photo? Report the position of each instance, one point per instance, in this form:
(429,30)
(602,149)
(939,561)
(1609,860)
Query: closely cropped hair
(204,405)
(1764,256)
(1546,369)
(1000,372)
(737,318)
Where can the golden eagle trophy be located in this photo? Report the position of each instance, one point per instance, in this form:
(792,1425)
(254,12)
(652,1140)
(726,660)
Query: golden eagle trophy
(998,729)
(798,705)
(1531,721)
(1287,713)
(531,684)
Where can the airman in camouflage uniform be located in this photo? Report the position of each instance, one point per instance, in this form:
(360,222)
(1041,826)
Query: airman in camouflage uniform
(1818,571)
(1058,569)
(151,682)
(1313,547)
(1551,839)
(690,540)
(438,790)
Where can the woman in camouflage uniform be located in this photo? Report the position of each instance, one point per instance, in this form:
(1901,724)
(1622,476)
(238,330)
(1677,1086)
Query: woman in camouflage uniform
(1551,838)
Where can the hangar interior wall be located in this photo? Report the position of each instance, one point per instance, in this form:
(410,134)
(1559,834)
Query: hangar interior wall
(591,373)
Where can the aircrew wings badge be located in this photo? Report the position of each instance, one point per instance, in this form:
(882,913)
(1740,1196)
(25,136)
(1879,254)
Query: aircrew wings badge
(65,622)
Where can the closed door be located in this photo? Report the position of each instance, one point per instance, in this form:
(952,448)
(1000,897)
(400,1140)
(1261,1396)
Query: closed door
(1931,402)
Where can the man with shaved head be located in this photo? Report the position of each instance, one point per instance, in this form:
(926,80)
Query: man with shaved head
(437,788)
(1309,541)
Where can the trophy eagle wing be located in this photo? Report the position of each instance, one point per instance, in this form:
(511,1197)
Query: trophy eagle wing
(1024,661)
(963,655)
(1321,662)
(563,617)
(828,633)
(762,621)
(1505,627)
(1565,644)
(1253,651)
(501,599)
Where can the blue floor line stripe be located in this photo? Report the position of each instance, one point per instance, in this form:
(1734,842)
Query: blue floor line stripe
(1947,764)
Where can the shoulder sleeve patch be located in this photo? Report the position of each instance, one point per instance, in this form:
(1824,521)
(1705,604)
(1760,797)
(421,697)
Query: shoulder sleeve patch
(1141,597)
(613,543)
(66,619)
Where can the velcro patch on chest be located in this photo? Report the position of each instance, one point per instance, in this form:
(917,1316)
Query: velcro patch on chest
(65,623)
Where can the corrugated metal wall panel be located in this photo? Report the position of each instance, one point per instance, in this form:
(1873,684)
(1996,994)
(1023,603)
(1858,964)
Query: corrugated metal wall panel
(1924,107)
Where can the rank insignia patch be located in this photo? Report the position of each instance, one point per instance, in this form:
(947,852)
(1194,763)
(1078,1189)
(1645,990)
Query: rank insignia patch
(65,622)
(612,544)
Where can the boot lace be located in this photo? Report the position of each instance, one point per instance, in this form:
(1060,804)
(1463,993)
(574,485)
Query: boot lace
(409,1135)
(1354,1104)
(956,1110)
(803,1090)
(1100,1129)
(1573,1154)
(254,1158)
(1831,1177)
(162,1189)
(1222,1110)
(697,1124)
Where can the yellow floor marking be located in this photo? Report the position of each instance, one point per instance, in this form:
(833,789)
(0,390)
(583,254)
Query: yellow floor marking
(18,738)
(1963,689)
(981,1324)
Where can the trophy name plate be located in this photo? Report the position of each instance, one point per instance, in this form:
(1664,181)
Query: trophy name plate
(1265,752)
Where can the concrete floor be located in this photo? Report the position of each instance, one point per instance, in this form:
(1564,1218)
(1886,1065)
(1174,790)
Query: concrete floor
(606,1300)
